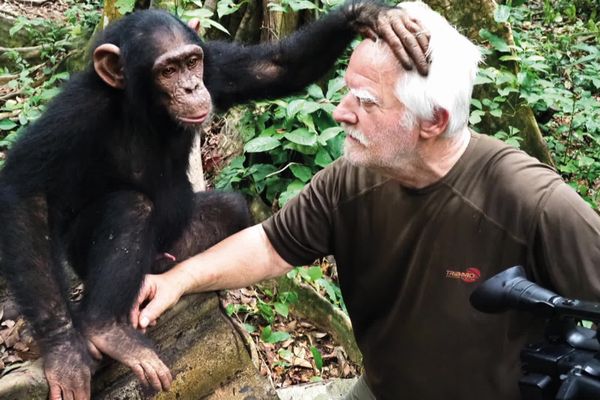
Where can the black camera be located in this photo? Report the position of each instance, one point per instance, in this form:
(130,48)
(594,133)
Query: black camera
(566,366)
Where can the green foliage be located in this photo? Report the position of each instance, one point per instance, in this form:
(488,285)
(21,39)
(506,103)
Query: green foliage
(267,308)
(323,283)
(37,84)
(188,9)
(286,142)
(124,6)
(558,59)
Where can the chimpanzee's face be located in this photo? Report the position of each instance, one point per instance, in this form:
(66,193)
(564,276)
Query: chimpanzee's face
(178,74)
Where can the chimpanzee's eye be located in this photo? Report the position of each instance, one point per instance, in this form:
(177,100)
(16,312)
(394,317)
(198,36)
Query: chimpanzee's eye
(168,72)
(192,62)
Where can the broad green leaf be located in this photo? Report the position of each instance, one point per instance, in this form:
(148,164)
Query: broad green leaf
(277,336)
(315,273)
(323,159)
(203,13)
(249,328)
(124,6)
(475,117)
(307,121)
(7,125)
(329,133)
(215,24)
(282,309)
(317,357)
(260,144)
(266,332)
(291,191)
(476,103)
(298,5)
(260,171)
(301,172)
(294,107)
(315,91)
(496,113)
(49,93)
(329,289)
(276,7)
(226,7)
(334,86)
(497,42)
(301,136)
(310,107)
(502,13)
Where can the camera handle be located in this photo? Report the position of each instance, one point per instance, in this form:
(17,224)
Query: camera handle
(578,386)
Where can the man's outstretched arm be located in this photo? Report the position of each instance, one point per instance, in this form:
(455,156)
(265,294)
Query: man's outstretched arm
(238,261)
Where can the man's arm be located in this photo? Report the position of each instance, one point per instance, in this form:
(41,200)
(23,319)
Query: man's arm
(238,261)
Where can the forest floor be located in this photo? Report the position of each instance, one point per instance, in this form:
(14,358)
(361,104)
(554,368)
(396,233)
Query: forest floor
(307,354)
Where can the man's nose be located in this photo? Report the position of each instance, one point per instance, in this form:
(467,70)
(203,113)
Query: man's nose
(343,112)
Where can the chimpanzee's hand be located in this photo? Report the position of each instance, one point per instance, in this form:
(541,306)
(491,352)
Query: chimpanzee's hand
(403,34)
(67,366)
(124,344)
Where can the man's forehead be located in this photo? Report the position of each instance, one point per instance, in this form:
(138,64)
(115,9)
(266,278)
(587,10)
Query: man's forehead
(374,59)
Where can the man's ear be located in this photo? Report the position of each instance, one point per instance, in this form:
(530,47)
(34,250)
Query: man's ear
(437,125)
(108,65)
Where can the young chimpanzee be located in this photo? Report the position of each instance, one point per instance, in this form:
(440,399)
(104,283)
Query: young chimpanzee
(100,180)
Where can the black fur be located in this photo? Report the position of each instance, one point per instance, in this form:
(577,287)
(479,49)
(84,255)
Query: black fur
(100,179)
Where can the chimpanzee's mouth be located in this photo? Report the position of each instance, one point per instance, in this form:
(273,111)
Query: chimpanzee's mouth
(194,119)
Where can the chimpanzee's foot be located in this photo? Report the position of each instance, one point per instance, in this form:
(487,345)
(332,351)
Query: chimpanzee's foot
(124,344)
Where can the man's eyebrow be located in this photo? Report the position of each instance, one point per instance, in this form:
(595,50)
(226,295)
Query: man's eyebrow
(364,95)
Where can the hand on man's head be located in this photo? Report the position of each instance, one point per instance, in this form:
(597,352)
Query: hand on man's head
(406,37)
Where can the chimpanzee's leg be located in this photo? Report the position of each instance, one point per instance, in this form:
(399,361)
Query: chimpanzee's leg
(113,243)
(216,215)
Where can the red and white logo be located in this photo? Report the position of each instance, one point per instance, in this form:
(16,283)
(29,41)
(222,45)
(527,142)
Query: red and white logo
(471,275)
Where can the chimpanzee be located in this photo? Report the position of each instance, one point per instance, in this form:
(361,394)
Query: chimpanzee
(99,181)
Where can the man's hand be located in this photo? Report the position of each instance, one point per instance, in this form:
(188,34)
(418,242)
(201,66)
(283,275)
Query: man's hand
(407,39)
(160,294)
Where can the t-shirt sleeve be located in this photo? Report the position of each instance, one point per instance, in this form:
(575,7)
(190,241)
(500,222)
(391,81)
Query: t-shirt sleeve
(301,231)
(567,245)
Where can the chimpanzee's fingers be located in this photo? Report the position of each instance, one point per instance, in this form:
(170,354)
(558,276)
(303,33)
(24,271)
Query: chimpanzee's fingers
(96,354)
(421,34)
(138,371)
(410,44)
(152,376)
(67,394)
(391,38)
(82,392)
(55,392)
(418,53)
(164,374)
(367,32)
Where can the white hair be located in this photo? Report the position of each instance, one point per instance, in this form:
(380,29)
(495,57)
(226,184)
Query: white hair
(452,71)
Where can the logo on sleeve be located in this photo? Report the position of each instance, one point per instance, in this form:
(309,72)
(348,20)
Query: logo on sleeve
(471,275)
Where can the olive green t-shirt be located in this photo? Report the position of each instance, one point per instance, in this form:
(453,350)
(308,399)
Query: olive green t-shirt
(409,259)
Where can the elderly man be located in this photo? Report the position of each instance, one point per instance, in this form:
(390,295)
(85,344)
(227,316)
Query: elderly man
(417,213)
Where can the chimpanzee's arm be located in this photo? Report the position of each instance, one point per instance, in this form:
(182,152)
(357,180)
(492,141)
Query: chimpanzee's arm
(236,73)
(32,266)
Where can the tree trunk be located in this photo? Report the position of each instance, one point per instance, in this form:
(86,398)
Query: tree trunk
(469,18)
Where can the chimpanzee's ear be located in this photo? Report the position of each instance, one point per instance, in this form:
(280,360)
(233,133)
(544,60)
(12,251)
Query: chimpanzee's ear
(194,23)
(108,66)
